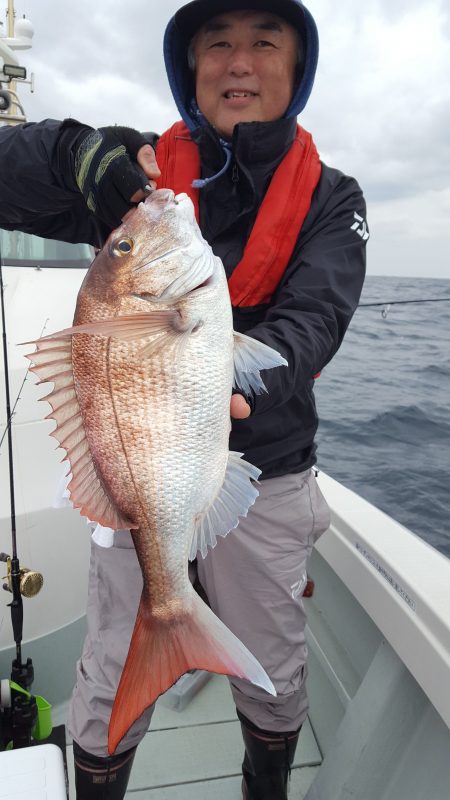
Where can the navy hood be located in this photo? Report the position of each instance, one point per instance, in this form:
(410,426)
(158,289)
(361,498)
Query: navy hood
(192,16)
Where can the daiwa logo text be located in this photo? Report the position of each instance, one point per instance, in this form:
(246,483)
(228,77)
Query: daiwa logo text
(360,226)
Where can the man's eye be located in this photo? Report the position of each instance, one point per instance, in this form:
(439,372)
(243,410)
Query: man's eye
(264,43)
(219,44)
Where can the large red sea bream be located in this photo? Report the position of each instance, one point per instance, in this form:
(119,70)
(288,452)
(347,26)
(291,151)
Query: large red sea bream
(142,387)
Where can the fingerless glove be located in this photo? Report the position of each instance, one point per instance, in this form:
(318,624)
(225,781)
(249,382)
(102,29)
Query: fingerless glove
(106,171)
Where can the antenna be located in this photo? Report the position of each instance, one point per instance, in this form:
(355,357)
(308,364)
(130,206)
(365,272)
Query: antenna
(20,34)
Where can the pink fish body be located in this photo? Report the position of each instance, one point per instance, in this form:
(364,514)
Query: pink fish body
(142,386)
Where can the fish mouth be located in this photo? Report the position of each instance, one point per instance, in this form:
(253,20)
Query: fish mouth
(198,265)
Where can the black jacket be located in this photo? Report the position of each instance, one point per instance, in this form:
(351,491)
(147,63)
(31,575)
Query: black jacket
(309,314)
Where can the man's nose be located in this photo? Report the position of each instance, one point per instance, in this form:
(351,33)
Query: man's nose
(240,62)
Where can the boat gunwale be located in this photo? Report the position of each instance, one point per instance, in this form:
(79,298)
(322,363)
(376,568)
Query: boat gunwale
(366,548)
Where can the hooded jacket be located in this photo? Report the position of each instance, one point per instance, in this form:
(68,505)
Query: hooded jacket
(309,313)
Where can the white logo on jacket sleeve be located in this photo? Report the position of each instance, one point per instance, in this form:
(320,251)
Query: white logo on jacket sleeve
(360,226)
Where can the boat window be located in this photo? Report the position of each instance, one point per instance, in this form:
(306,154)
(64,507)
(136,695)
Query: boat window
(26,250)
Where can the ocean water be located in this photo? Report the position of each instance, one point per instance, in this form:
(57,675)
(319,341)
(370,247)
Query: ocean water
(384,406)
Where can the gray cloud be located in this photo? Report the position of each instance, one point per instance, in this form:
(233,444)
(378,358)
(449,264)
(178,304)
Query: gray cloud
(379,110)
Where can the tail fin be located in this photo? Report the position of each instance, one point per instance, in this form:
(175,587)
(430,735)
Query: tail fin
(161,650)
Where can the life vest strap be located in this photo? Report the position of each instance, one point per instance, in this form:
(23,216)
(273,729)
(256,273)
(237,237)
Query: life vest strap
(280,218)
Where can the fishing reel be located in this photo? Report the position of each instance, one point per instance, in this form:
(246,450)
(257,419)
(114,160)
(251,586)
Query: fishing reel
(23,717)
(30,582)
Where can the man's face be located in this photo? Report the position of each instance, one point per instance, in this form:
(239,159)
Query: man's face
(244,68)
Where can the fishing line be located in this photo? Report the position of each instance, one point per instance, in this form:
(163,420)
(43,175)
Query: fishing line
(9,419)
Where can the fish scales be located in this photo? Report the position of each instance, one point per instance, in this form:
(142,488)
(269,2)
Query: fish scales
(166,451)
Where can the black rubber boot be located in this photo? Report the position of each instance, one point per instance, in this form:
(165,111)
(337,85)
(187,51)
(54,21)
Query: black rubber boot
(101,778)
(267,762)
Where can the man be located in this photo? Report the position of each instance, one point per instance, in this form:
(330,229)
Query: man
(283,224)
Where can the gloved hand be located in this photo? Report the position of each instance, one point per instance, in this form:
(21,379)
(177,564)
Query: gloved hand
(112,167)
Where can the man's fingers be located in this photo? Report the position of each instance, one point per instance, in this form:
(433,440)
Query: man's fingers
(146,159)
(239,408)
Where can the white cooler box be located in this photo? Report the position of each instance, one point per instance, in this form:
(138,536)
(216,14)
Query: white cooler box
(32,773)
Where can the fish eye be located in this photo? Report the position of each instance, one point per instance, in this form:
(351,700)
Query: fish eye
(123,247)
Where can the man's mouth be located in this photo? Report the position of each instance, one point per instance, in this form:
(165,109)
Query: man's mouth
(238,93)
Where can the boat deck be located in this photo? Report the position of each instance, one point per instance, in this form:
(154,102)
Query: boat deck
(197,752)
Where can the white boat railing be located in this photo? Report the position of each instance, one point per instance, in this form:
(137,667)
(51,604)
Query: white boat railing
(401,582)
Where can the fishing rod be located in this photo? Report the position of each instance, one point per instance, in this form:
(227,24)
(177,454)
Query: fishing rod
(386,305)
(404,302)
(20,710)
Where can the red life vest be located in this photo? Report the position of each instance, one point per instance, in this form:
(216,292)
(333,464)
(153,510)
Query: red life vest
(280,217)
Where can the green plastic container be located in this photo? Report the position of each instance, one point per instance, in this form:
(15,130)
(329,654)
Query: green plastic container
(43,727)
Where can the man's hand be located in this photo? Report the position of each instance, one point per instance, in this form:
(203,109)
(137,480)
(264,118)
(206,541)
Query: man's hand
(239,408)
(114,167)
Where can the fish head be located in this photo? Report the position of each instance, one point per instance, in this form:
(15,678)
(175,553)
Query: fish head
(158,252)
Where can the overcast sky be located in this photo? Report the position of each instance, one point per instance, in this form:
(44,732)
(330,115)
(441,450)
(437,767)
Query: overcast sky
(380,107)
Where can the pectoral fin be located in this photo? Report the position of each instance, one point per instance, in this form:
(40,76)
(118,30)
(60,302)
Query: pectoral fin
(128,327)
(157,330)
(250,356)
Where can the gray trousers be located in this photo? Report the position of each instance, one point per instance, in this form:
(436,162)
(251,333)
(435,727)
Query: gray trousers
(254,579)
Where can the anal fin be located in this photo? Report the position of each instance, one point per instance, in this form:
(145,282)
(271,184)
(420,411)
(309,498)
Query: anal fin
(234,499)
